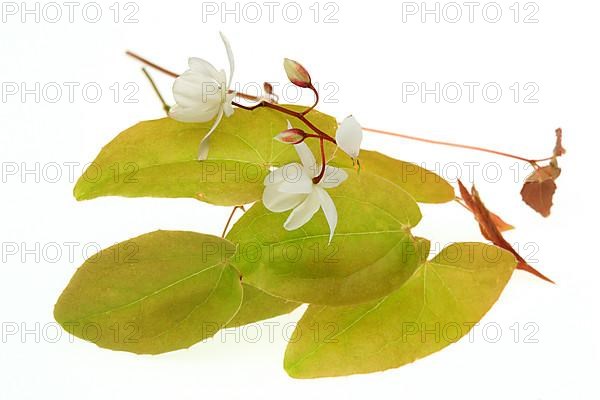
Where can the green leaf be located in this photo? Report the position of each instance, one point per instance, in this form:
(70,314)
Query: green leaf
(155,293)
(424,247)
(258,305)
(372,252)
(159,158)
(439,304)
(424,185)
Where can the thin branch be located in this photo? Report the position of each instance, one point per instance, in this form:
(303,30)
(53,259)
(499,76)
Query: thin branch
(151,64)
(462,146)
(230,218)
(160,97)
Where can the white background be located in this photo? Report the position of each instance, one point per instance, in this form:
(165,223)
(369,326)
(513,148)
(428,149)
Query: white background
(368,54)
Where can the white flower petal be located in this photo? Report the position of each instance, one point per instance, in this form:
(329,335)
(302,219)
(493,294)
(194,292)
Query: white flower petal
(203,148)
(274,177)
(192,114)
(333,177)
(301,184)
(287,172)
(307,158)
(194,90)
(276,201)
(198,65)
(349,136)
(294,179)
(229,56)
(329,209)
(303,213)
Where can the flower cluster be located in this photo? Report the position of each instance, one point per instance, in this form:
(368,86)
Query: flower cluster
(202,93)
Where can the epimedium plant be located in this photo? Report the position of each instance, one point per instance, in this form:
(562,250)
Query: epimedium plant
(329,226)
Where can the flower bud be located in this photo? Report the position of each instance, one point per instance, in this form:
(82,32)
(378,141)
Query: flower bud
(291,135)
(296,73)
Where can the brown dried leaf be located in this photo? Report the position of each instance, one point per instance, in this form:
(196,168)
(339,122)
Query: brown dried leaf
(502,225)
(490,230)
(539,188)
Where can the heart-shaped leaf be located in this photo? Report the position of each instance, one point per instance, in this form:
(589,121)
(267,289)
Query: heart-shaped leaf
(372,252)
(158,292)
(258,305)
(438,305)
(424,185)
(159,158)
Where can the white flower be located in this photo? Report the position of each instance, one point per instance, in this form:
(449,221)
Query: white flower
(349,136)
(202,93)
(291,186)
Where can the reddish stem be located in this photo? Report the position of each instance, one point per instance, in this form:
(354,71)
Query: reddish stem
(316,100)
(318,178)
(308,135)
(287,111)
(463,146)
(151,64)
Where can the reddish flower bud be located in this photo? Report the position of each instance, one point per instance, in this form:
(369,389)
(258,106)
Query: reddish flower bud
(291,135)
(296,73)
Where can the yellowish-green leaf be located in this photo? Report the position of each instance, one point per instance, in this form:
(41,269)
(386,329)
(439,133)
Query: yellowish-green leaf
(155,293)
(371,254)
(424,247)
(159,158)
(436,307)
(258,305)
(424,185)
